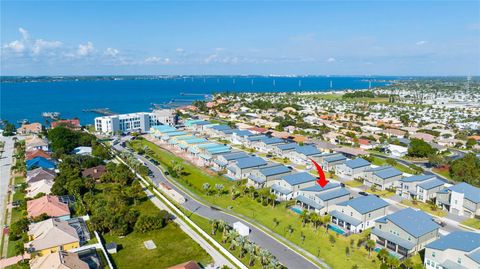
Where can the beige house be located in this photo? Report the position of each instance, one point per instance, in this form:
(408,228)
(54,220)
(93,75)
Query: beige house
(50,236)
(58,260)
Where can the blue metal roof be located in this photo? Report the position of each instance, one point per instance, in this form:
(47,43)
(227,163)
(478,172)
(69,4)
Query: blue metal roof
(379,168)
(431,183)
(280,189)
(184,137)
(221,127)
(459,240)
(332,194)
(276,170)
(318,188)
(475,255)
(339,215)
(256,138)
(335,158)
(242,132)
(388,173)
(250,162)
(272,140)
(416,178)
(393,238)
(416,223)
(235,155)
(196,140)
(308,150)
(357,163)
(309,202)
(287,146)
(298,178)
(365,204)
(164,128)
(471,193)
(40,162)
(257,179)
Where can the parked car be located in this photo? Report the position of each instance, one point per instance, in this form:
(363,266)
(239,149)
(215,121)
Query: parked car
(363,193)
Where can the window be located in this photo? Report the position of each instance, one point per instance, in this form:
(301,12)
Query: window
(459,260)
(433,254)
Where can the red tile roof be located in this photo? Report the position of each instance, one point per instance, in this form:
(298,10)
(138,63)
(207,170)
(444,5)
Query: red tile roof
(186,265)
(72,123)
(36,153)
(47,204)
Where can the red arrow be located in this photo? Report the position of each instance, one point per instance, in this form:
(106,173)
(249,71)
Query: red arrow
(322,181)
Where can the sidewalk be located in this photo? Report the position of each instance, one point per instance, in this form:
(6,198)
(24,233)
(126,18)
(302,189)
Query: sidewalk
(13,260)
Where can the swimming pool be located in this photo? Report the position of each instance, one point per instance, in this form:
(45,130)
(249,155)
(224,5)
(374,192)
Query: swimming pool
(296,210)
(336,229)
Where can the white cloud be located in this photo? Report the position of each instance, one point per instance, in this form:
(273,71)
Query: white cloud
(41,45)
(157,60)
(112,52)
(421,42)
(16,46)
(180,50)
(331,60)
(24,33)
(85,49)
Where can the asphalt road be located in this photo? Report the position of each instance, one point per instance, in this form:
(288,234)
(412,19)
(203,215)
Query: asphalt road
(285,255)
(5,165)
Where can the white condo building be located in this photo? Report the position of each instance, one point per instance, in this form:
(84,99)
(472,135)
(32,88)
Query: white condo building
(126,123)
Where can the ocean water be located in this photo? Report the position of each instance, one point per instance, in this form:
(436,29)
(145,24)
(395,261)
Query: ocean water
(27,100)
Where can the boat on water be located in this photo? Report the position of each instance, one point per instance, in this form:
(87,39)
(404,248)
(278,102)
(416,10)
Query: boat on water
(51,115)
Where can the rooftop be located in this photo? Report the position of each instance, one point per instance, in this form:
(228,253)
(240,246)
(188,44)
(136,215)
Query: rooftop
(414,222)
(365,204)
(459,240)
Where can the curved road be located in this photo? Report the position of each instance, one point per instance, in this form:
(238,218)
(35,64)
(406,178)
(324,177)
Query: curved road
(285,255)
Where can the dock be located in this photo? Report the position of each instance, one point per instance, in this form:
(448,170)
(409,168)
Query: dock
(101,111)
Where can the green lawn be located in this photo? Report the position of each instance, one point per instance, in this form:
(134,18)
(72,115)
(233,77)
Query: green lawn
(353,183)
(173,247)
(443,172)
(205,225)
(381,193)
(315,240)
(17,214)
(379,161)
(474,223)
(425,207)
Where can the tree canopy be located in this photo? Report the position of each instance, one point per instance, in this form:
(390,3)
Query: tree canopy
(420,148)
(466,169)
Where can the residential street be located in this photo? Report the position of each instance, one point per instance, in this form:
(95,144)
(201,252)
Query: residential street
(5,166)
(285,255)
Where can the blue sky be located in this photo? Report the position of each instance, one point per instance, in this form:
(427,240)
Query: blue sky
(324,37)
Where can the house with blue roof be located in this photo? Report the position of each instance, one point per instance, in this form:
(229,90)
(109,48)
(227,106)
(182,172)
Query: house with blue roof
(301,154)
(266,176)
(329,161)
(266,145)
(287,187)
(197,125)
(218,130)
(239,137)
(40,162)
(241,168)
(321,199)
(358,214)
(280,150)
(405,232)
(459,249)
(383,177)
(221,161)
(461,199)
(420,187)
(352,168)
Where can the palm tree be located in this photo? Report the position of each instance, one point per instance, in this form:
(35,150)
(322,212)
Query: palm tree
(304,216)
(250,247)
(276,222)
(408,263)
(382,255)
(273,198)
(314,219)
(370,245)
(241,241)
(265,256)
(214,224)
(206,186)
(393,262)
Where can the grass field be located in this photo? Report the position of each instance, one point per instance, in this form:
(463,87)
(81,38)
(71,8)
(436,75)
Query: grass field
(474,223)
(353,183)
(173,245)
(381,193)
(17,214)
(443,172)
(402,168)
(425,207)
(316,241)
